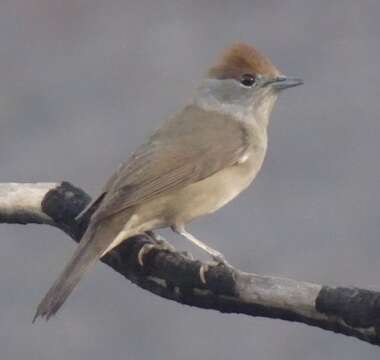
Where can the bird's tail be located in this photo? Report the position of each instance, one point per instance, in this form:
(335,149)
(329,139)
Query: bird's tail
(97,241)
(85,255)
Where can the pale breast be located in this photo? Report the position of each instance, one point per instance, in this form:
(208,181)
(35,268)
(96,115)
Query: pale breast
(211,194)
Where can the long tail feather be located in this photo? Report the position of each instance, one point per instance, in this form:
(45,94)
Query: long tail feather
(97,241)
(86,255)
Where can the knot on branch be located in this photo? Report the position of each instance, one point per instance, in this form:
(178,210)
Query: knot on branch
(64,202)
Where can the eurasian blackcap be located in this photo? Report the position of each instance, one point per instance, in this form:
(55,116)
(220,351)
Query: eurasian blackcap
(198,161)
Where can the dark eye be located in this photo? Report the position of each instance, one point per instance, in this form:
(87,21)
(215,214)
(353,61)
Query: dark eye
(248,79)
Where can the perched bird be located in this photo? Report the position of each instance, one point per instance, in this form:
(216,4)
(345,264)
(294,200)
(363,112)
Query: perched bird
(197,162)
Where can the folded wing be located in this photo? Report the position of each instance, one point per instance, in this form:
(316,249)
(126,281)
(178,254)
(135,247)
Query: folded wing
(190,147)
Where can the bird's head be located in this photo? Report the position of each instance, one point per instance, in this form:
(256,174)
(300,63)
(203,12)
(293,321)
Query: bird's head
(244,82)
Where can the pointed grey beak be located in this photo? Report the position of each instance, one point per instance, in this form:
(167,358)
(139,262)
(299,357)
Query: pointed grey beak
(284,82)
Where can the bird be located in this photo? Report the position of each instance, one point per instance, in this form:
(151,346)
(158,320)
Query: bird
(200,159)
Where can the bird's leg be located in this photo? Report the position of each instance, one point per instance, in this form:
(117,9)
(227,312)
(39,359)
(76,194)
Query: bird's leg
(217,256)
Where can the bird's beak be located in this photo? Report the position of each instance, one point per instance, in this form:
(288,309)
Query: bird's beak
(284,82)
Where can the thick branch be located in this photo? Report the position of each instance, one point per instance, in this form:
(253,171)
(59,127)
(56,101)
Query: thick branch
(350,311)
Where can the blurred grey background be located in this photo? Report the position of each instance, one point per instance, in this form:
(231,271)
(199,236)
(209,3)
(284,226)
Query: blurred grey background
(82,82)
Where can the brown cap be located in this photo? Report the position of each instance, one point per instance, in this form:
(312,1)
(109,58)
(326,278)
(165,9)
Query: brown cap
(242,59)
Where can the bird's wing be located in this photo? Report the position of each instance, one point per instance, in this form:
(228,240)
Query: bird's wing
(190,147)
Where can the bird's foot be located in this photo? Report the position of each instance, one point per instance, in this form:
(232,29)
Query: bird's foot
(160,241)
(161,244)
(187,255)
(218,259)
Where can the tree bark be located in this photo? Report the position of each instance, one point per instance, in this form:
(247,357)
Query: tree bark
(172,275)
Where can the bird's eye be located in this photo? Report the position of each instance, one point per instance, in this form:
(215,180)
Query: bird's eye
(248,79)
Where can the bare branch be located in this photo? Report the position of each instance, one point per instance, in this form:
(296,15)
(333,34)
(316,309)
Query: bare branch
(350,311)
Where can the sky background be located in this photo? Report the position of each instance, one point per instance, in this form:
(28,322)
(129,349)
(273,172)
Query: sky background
(83,82)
